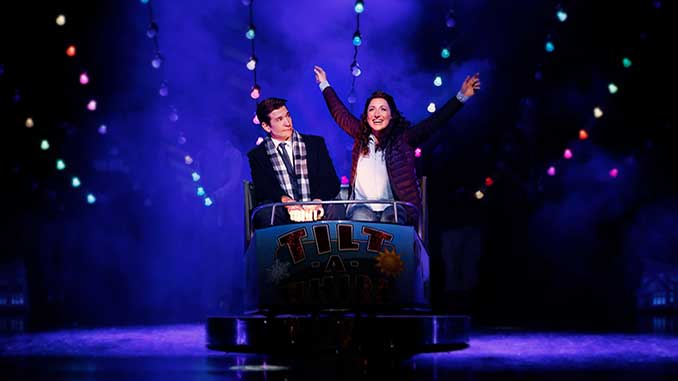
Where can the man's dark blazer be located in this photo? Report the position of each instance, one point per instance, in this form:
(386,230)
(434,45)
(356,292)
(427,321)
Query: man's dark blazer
(322,177)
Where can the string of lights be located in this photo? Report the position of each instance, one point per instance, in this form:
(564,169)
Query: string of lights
(450,23)
(584,133)
(445,50)
(549,48)
(255,91)
(250,34)
(51,150)
(84,80)
(158,63)
(356,70)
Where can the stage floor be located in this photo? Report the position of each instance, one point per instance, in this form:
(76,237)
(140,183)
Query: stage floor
(178,352)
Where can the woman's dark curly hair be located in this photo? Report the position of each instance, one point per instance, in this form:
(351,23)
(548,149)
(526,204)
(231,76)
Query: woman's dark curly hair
(396,126)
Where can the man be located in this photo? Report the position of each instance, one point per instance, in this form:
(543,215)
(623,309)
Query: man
(288,166)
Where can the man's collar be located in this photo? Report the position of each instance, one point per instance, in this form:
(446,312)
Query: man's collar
(277,142)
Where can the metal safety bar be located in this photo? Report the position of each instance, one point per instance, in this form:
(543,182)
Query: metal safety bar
(330,202)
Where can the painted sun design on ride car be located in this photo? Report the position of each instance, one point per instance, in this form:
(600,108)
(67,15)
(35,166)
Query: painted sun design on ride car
(389,262)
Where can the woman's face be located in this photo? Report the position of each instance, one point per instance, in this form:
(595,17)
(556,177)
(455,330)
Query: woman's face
(378,114)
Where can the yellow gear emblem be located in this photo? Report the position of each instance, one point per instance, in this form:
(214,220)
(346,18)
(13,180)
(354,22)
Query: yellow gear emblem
(389,263)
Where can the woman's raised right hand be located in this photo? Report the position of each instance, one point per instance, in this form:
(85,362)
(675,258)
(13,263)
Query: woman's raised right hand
(320,75)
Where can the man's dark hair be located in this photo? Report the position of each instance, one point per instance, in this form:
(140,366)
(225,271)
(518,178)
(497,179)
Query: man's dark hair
(267,106)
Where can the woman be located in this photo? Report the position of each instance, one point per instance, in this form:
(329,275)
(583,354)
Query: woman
(383,150)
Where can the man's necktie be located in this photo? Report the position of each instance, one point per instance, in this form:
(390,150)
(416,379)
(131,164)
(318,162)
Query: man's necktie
(290,169)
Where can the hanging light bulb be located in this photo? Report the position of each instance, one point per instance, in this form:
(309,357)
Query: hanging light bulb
(164,90)
(549,46)
(357,38)
(152,30)
(157,61)
(355,69)
(252,63)
(359,7)
(255,93)
(250,32)
(352,96)
(450,21)
(445,53)
(561,15)
(174,114)
(626,62)
(538,75)
(84,78)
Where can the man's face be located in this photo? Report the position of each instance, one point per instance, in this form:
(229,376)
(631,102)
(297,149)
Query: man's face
(280,127)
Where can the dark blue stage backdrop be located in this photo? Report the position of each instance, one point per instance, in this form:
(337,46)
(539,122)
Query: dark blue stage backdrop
(519,228)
